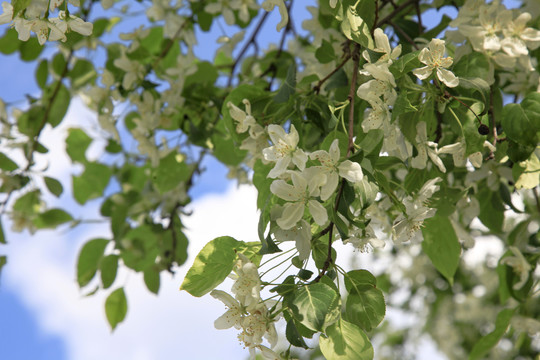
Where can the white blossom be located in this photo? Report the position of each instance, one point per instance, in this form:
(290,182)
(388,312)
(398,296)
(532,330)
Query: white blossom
(425,149)
(432,57)
(298,196)
(284,151)
(268,5)
(299,233)
(244,118)
(233,315)
(407,226)
(333,169)
(247,285)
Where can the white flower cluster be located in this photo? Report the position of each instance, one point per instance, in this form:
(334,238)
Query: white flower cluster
(246,311)
(301,187)
(407,226)
(381,95)
(35,18)
(502,35)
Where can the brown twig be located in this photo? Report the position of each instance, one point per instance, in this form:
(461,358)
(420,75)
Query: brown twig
(273,67)
(352,94)
(246,46)
(395,12)
(419,15)
(403,33)
(376,17)
(317,87)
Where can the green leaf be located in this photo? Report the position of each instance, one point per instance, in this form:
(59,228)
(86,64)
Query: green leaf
(517,125)
(83,73)
(58,64)
(6,163)
(57,98)
(314,306)
(473,65)
(359,280)
(345,341)
(116,307)
(9,43)
(225,149)
(42,73)
(405,64)
(3,261)
(30,49)
(206,74)
(293,336)
(28,203)
(482,347)
(325,53)
(355,28)
(170,173)
(108,268)
(441,245)
(52,218)
(531,106)
(141,247)
(91,183)
(2,235)
(366,192)
(288,87)
(152,280)
(54,186)
(530,176)
(491,209)
(366,308)
(76,144)
(402,105)
(89,258)
(211,266)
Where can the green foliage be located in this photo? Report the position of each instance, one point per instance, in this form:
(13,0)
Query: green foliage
(92,182)
(345,341)
(316,306)
(442,246)
(89,260)
(211,266)
(482,347)
(116,307)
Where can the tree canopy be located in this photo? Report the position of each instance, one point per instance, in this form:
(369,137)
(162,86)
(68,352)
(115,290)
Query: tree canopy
(407,130)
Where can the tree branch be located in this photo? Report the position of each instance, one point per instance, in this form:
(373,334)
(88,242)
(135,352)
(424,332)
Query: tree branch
(317,87)
(246,46)
(395,12)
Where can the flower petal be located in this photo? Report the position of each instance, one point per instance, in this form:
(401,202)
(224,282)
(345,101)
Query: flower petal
(447,77)
(292,213)
(319,213)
